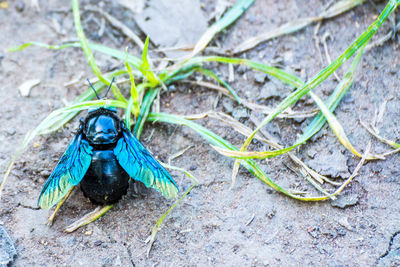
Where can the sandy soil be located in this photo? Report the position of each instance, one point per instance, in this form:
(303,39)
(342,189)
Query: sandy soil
(249,225)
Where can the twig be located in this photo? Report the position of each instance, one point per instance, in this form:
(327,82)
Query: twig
(178,154)
(328,57)
(119,25)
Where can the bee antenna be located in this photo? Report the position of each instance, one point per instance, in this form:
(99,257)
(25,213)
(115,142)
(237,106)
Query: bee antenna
(109,87)
(94,90)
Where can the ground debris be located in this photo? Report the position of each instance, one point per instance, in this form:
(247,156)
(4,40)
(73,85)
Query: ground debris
(345,200)
(330,164)
(7,250)
(172,24)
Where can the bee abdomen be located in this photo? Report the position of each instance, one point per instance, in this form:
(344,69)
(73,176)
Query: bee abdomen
(105,181)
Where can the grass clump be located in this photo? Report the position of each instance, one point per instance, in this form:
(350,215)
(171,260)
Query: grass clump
(146,85)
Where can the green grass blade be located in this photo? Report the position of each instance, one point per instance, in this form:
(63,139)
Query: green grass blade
(326,72)
(145,67)
(159,221)
(317,123)
(275,72)
(230,16)
(218,141)
(136,62)
(128,111)
(88,53)
(134,93)
(144,111)
(214,76)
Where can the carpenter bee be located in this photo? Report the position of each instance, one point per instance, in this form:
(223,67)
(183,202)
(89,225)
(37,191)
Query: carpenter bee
(101,158)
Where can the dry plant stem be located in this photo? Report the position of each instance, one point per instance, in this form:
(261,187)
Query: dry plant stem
(307,171)
(88,218)
(256,107)
(119,25)
(338,8)
(241,128)
(316,41)
(178,154)
(328,57)
(62,201)
(355,172)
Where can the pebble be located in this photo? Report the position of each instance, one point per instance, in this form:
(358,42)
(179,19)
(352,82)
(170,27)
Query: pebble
(192,168)
(240,113)
(260,77)
(89,232)
(344,201)
(7,249)
(45,173)
(228,105)
(19,6)
(11,132)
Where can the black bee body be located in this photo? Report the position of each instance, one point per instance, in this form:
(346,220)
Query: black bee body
(105,182)
(102,158)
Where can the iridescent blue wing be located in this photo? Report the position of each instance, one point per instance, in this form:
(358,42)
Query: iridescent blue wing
(69,172)
(141,166)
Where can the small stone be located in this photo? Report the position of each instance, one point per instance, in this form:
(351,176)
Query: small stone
(271,90)
(209,248)
(192,168)
(260,77)
(98,243)
(242,229)
(330,164)
(11,132)
(19,6)
(89,232)
(7,249)
(228,105)
(271,213)
(341,231)
(240,113)
(343,221)
(344,201)
(45,173)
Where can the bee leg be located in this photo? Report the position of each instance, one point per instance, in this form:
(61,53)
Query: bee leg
(139,189)
(51,218)
(88,218)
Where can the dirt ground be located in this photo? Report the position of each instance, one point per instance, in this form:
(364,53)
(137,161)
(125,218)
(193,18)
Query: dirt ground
(249,225)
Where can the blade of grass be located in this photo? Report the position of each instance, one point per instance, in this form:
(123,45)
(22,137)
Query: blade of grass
(145,66)
(244,130)
(230,16)
(217,141)
(88,53)
(213,75)
(152,237)
(380,138)
(136,62)
(144,111)
(337,128)
(326,72)
(134,93)
(318,122)
(296,25)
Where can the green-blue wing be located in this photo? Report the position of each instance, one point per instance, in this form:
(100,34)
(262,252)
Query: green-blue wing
(69,172)
(141,166)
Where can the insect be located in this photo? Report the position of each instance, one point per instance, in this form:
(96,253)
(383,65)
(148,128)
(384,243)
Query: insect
(101,158)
